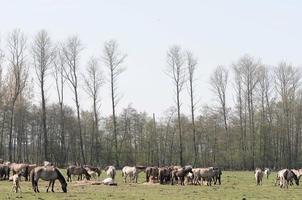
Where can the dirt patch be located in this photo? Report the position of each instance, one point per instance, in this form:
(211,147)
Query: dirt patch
(85,182)
(150,183)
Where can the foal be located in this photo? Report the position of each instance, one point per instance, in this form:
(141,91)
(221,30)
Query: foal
(16,182)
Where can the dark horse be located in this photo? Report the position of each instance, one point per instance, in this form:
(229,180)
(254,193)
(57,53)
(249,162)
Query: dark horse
(151,173)
(48,173)
(181,174)
(164,174)
(217,175)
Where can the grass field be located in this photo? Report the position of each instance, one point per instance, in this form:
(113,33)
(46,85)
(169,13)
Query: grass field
(235,185)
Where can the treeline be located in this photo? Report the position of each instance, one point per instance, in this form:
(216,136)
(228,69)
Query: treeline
(259,127)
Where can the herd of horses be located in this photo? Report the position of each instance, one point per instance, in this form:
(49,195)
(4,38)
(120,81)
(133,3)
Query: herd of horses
(162,175)
(284,178)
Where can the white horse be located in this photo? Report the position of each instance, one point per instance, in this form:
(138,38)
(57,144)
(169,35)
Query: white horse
(267,172)
(132,172)
(111,172)
(258,176)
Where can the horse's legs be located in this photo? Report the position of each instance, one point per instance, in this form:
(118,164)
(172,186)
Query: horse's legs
(37,188)
(53,183)
(126,177)
(48,185)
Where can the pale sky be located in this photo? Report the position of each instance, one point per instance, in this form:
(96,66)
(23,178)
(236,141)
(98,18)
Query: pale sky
(217,32)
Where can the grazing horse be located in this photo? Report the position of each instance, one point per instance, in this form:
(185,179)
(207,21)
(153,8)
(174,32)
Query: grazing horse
(110,171)
(258,176)
(181,174)
(77,170)
(267,172)
(151,173)
(50,174)
(21,167)
(132,172)
(285,176)
(165,174)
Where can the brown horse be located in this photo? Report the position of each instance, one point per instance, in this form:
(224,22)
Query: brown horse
(77,170)
(164,174)
(151,173)
(49,173)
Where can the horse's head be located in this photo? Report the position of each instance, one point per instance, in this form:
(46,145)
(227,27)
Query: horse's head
(295,177)
(88,176)
(64,187)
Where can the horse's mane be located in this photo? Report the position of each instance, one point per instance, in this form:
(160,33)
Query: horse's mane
(60,176)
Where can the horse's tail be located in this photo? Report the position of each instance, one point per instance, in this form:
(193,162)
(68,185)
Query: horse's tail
(123,173)
(27,173)
(68,173)
(32,175)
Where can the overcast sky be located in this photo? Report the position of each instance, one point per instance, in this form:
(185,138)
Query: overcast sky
(218,33)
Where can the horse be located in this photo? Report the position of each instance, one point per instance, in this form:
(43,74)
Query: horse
(164,174)
(181,174)
(217,175)
(110,171)
(285,176)
(49,173)
(92,174)
(109,181)
(4,172)
(267,172)
(258,176)
(16,182)
(151,173)
(132,172)
(20,167)
(206,174)
(95,169)
(77,170)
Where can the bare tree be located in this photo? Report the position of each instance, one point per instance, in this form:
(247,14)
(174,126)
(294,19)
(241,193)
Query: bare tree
(93,82)
(288,79)
(113,59)
(191,66)
(71,51)
(17,75)
(58,74)
(43,55)
(219,81)
(176,70)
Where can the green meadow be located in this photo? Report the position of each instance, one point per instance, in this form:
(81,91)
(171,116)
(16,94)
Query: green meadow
(235,185)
